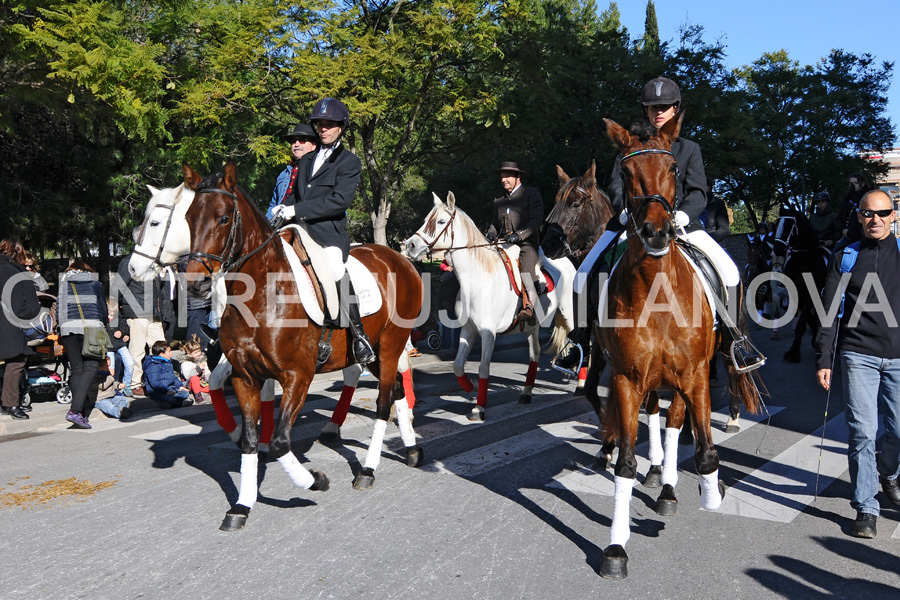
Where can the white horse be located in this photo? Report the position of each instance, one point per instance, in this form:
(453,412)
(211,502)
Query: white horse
(162,238)
(487,303)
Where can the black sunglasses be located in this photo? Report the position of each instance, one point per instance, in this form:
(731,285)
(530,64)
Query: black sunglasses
(299,139)
(869,213)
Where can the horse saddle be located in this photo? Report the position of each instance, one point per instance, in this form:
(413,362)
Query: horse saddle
(542,279)
(319,294)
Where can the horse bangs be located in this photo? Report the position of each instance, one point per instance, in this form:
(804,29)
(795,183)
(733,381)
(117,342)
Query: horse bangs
(431,222)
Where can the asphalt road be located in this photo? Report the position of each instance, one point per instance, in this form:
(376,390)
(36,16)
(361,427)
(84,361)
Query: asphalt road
(507,509)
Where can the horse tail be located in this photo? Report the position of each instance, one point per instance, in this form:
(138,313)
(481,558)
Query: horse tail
(746,386)
(559,336)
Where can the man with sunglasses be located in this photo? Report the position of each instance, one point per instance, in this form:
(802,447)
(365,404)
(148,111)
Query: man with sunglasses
(867,339)
(303,140)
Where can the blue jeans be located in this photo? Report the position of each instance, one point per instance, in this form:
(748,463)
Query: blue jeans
(871,385)
(127,364)
(112,406)
(173,401)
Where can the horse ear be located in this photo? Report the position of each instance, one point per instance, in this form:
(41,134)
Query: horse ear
(563,177)
(153,191)
(230,176)
(437,200)
(618,134)
(670,130)
(588,177)
(451,201)
(192,179)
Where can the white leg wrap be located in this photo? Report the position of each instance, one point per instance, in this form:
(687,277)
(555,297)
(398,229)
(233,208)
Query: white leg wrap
(710,499)
(297,472)
(373,456)
(656,449)
(670,460)
(403,423)
(621,523)
(249,466)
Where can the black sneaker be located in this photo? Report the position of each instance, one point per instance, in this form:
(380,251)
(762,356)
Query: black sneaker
(864,525)
(891,489)
(125,413)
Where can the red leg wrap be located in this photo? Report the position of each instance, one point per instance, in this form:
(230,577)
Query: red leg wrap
(582,374)
(532,373)
(267,417)
(482,392)
(343,406)
(223,412)
(408,388)
(465,383)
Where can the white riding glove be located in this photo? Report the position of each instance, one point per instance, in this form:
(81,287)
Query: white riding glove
(284,211)
(681,219)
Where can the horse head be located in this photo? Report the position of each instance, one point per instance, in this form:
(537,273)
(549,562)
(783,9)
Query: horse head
(579,216)
(446,227)
(794,231)
(221,222)
(164,234)
(648,176)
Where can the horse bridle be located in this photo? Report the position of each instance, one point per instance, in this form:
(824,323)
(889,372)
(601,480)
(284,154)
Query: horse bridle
(645,200)
(162,244)
(568,230)
(429,246)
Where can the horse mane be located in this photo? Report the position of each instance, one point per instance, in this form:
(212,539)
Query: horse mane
(486,256)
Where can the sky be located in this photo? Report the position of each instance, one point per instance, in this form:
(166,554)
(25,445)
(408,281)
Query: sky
(807,30)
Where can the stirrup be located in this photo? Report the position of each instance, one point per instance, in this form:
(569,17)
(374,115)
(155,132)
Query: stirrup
(569,359)
(363,352)
(746,358)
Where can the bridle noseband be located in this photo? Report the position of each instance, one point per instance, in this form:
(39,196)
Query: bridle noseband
(156,259)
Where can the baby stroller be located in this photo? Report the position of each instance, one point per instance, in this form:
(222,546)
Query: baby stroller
(43,385)
(428,332)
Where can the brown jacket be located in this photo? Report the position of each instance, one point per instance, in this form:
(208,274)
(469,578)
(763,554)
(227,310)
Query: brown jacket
(521,212)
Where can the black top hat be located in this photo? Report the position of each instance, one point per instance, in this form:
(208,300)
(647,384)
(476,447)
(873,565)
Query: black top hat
(301,130)
(511,166)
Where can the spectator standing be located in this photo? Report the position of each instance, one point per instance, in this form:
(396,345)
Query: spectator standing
(143,315)
(31,265)
(23,305)
(868,344)
(81,303)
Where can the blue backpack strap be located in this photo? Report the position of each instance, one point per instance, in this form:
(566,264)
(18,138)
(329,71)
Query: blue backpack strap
(848,256)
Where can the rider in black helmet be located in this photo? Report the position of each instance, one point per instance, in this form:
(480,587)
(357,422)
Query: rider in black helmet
(325,185)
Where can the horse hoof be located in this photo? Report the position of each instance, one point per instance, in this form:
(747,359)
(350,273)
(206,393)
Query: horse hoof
(477,414)
(235,518)
(415,456)
(330,438)
(321,482)
(654,477)
(667,503)
(602,461)
(365,480)
(525,399)
(732,426)
(614,563)
(579,391)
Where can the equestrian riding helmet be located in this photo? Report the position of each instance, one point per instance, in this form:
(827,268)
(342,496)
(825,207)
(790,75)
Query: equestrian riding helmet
(822,196)
(331,109)
(660,91)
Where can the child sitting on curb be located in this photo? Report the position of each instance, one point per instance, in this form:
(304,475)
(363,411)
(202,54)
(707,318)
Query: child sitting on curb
(195,371)
(160,382)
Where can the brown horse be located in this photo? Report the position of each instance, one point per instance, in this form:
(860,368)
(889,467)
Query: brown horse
(265,336)
(657,328)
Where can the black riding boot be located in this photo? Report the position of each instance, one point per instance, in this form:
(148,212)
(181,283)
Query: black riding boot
(362,347)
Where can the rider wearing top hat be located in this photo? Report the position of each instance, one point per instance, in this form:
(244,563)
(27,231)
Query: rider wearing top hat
(518,214)
(303,140)
(324,188)
(661,99)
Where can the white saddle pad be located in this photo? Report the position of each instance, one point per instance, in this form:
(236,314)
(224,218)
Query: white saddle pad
(364,284)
